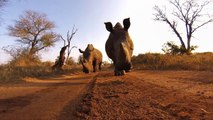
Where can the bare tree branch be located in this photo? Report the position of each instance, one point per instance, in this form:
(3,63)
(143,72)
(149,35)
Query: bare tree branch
(199,26)
(190,12)
(63,40)
(68,40)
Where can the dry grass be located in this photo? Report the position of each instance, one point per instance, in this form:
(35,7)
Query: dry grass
(149,61)
(11,73)
(156,61)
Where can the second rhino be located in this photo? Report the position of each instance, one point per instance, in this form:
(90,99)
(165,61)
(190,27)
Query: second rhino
(91,60)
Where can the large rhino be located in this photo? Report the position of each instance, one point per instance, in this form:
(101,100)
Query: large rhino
(92,59)
(119,46)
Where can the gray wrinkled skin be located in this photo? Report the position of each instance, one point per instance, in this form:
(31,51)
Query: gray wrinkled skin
(119,46)
(92,59)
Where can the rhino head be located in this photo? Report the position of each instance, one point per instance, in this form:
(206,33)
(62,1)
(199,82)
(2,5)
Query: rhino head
(86,60)
(119,46)
(92,59)
(87,68)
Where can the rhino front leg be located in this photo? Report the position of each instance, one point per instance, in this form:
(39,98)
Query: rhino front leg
(99,66)
(95,67)
(120,73)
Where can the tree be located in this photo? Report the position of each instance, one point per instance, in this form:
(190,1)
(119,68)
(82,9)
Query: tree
(68,40)
(189,12)
(61,59)
(34,31)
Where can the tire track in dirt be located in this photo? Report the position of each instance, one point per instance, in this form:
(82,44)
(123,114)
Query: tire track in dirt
(81,106)
(49,103)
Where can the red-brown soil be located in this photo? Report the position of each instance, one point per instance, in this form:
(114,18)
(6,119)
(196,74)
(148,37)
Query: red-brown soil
(153,95)
(51,98)
(145,95)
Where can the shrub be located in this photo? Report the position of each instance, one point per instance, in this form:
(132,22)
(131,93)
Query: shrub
(12,73)
(173,49)
(198,61)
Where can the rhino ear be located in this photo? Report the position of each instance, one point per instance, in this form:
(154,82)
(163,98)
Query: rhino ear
(81,51)
(108,26)
(126,23)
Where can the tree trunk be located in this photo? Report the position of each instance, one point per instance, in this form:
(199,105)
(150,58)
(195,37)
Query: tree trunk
(60,62)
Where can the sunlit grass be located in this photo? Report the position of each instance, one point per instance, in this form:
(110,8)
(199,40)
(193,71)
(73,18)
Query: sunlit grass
(15,74)
(199,61)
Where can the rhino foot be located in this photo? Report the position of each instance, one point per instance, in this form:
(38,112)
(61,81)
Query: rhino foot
(120,73)
(127,70)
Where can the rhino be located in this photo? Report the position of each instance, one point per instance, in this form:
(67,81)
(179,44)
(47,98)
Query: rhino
(119,46)
(91,60)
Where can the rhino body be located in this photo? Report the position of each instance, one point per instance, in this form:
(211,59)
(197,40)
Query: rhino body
(92,59)
(119,46)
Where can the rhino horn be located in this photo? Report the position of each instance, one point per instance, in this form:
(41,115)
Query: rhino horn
(126,51)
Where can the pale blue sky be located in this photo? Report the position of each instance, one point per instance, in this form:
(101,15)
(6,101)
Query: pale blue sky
(89,16)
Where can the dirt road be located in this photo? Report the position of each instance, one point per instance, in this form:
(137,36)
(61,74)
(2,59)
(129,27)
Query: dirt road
(145,95)
(43,99)
(153,95)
